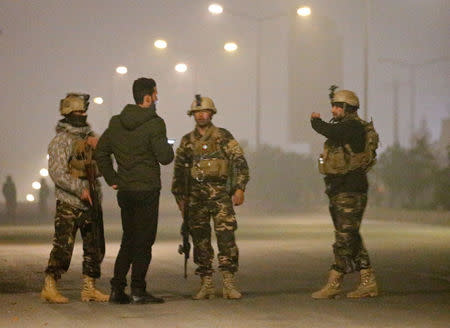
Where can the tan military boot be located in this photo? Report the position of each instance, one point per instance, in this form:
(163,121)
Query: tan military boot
(229,286)
(90,293)
(332,287)
(50,293)
(367,286)
(207,290)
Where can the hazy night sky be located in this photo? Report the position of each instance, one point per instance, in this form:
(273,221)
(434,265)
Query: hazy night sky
(50,47)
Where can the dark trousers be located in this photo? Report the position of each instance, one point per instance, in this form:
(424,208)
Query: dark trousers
(139,211)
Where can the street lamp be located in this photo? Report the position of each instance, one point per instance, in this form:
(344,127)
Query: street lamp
(30,198)
(36,185)
(160,44)
(181,67)
(121,70)
(230,47)
(43,172)
(98,100)
(215,9)
(304,11)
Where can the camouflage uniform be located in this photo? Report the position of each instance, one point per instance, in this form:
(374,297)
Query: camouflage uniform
(347,210)
(71,212)
(209,196)
(68,220)
(349,152)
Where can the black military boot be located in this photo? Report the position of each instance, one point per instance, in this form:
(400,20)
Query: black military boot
(118,296)
(140,296)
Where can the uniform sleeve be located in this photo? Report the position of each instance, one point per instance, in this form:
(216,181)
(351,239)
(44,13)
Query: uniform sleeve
(235,154)
(335,131)
(103,154)
(178,181)
(59,151)
(161,148)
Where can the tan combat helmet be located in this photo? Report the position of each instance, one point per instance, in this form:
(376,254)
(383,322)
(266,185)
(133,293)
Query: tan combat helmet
(202,103)
(347,97)
(74,102)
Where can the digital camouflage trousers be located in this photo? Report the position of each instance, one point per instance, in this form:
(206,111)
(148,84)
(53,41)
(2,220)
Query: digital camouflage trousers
(68,220)
(220,210)
(347,210)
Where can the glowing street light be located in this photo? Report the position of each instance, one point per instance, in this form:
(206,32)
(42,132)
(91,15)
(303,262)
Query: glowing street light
(121,70)
(30,198)
(48,157)
(304,11)
(43,172)
(160,44)
(215,9)
(98,100)
(36,185)
(181,68)
(230,46)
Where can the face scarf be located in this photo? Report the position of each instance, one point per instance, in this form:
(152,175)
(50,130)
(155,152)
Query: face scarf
(75,120)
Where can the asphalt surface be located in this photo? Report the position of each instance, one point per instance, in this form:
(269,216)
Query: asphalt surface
(283,260)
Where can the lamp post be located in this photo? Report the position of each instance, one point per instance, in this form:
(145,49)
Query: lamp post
(120,72)
(216,9)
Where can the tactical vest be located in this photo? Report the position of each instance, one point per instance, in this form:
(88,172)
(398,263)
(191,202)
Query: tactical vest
(209,161)
(340,159)
(81,154)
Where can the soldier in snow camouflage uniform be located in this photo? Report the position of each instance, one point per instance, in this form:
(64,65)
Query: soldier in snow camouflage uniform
(73,139)
(214,158)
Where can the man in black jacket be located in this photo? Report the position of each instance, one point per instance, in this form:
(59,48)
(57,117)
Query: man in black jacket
(137,139)
(348,153)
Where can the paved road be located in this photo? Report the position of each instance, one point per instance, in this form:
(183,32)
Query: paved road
(283,260)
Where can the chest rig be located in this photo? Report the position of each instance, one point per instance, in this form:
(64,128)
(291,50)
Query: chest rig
(338,158)
(209,161)
(82,155)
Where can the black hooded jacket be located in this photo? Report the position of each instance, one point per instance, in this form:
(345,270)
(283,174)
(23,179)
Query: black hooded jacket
(137,139)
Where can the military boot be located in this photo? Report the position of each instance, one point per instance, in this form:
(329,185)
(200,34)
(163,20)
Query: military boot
(229,286)
(50,293)
(332,287)
(90,293)
(207,290)
(367,286)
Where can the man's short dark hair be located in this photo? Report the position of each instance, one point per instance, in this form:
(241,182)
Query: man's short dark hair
(141,88)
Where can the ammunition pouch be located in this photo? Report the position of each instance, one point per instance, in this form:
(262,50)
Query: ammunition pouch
(340,159)
(77,162)
(210,169)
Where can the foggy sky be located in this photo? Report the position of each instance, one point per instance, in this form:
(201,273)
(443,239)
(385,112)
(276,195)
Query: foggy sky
(50,47)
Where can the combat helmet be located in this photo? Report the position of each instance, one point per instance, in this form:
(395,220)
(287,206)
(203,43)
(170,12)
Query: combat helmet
(74,102)
(344,96)
(202,103)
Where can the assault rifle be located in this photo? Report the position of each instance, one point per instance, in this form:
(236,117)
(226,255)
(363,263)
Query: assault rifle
(96,213)
(185,247)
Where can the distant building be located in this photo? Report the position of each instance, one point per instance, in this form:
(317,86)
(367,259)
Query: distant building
(315,62)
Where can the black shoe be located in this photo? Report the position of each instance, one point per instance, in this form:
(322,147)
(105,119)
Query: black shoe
(139,296)
(118,296)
